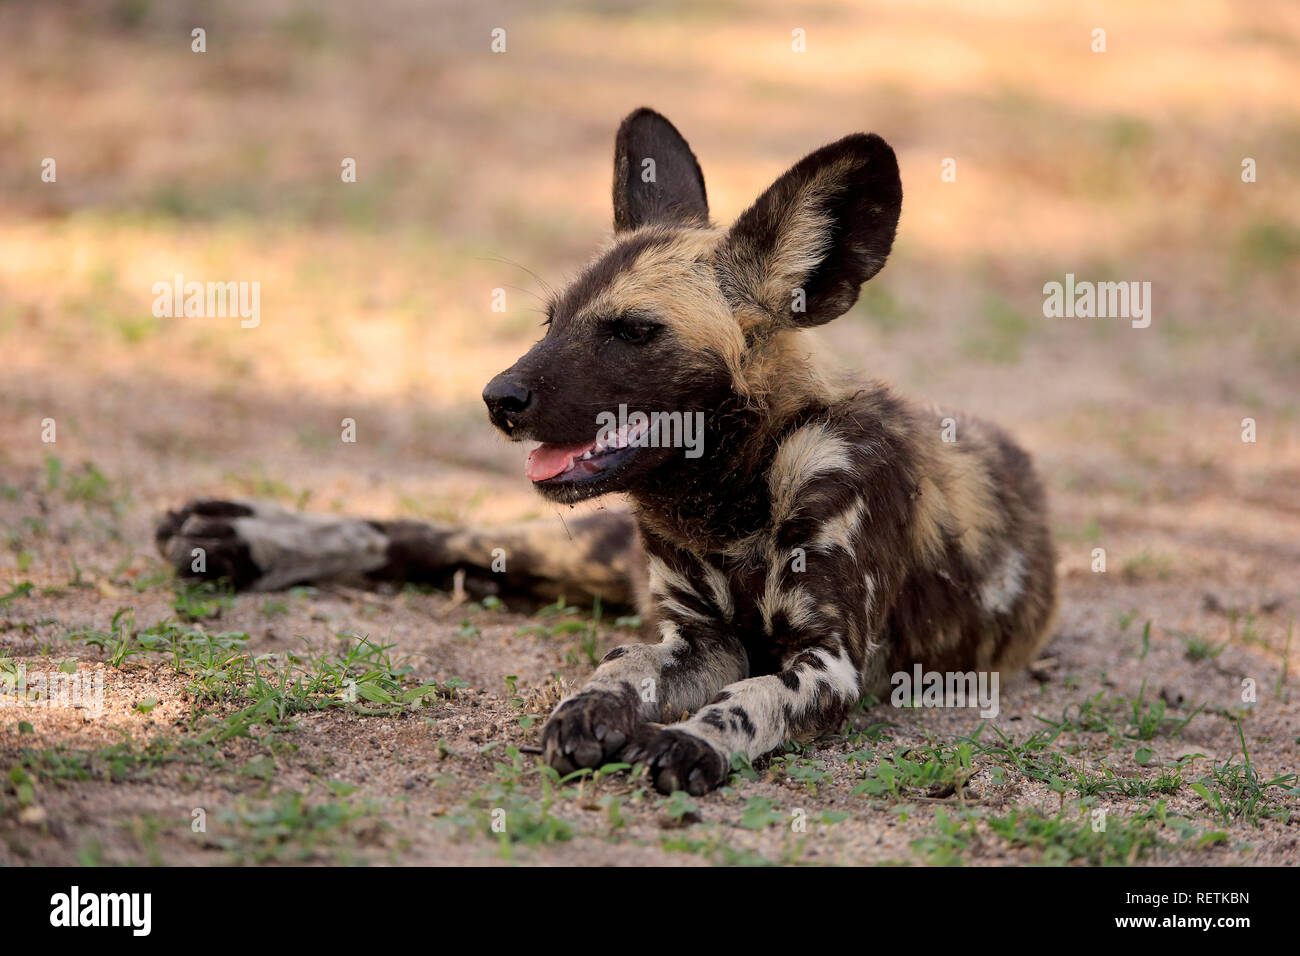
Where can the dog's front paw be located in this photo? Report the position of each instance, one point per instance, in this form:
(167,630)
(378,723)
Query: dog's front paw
(677,759)
(589,729)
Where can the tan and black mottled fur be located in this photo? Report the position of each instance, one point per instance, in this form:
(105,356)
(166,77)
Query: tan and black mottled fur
(832,534)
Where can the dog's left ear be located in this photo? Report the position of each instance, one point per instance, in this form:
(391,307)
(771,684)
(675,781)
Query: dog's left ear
(803,250)
(656,176)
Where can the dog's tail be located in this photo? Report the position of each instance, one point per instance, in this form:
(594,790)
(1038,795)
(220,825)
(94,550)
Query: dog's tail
(264,547)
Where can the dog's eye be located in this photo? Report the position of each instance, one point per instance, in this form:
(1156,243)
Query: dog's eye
(632,330)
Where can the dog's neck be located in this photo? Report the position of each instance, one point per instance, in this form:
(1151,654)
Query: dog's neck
(705,505)
(708,504)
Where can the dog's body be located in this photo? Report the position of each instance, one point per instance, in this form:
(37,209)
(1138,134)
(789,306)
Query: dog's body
(829,535)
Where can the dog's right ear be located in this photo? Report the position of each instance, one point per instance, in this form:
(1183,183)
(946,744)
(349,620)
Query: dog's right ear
(656,176)
(800,253)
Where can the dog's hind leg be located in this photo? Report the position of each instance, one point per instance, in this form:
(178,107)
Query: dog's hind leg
(264,547)
(597,555)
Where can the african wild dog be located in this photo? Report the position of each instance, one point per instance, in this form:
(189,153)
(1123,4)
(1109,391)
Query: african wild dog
(828,536)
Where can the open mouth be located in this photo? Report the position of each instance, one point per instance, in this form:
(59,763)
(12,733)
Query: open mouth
(554,463)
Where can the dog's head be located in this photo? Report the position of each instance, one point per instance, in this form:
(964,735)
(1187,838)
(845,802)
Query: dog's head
(678,316)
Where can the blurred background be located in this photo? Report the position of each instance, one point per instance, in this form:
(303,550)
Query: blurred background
(479,170)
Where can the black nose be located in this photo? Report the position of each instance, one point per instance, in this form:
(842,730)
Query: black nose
(505,399)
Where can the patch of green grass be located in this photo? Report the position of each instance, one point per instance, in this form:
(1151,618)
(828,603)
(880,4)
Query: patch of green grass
(936,771)
(91,853)
(949,838)
(680,808)
(122,641)
(1065,839)
(291,828)
(856,731)
(741,769)
(1235,790)
(53,472)
(360,676)
(259,484)
(802,771)
(881,308)
(1267,245)
(1121,719)
(717,844)
(146,581)
(1146,566)
(564,618)
(1246,626)
(760,813)
(503,812)
(515,699)
(274,608)
(20,589)
(1196,647)
(1000,336)
(1147,720)
(1168,781)
(1128,132)
(560,618)
(86,484)
(304,27)
(19,783)
(132,327)
(125,760)
(1088,533)
(199,600)
(1286,662)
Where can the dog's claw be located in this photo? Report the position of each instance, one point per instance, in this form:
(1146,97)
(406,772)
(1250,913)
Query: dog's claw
(589,730)
(677,760)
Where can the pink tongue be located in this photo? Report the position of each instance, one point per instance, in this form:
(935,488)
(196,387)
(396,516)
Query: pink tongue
(547,461)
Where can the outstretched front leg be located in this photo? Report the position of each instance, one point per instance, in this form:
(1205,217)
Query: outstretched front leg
(809,696)
(636,683)
(821,609)
(698,654)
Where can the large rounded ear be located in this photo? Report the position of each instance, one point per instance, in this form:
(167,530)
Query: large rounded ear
(801,252)
(656,176)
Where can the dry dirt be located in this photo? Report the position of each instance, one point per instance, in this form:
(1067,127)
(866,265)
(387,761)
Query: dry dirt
(376,307)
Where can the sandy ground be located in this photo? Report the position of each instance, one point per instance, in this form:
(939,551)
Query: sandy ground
(376,307)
